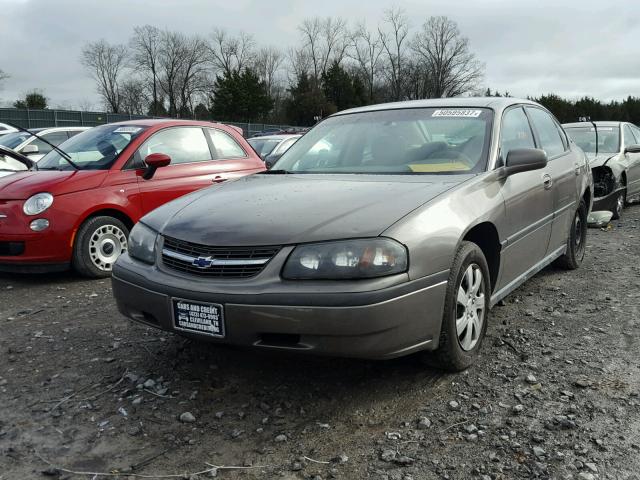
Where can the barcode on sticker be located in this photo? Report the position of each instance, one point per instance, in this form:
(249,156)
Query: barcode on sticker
(457,113)
(127,130)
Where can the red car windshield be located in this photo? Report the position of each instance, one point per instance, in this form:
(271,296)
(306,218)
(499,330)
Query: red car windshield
(95,149)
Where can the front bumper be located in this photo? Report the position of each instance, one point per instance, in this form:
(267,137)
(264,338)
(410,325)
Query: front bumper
(385,323)
(608,202)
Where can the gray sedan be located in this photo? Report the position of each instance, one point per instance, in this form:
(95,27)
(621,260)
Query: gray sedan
(385,230)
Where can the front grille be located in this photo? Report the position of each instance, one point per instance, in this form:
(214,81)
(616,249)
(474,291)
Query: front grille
(208,261)
(11,249)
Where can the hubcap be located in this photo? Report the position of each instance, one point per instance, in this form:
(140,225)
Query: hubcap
(470,307)
(579,236)
(620,204)
(106,245)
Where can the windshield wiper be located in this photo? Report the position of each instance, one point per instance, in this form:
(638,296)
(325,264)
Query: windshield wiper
(62,153)
(276,172)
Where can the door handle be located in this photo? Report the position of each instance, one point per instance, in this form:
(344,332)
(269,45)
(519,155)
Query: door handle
(218,179)
(547,181)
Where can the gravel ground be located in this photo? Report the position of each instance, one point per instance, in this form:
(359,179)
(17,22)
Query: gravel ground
(555,393)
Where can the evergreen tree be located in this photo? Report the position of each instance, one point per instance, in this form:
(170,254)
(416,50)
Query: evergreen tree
(32,100)
(240,96)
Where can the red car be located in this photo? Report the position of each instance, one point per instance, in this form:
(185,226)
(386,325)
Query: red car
(77,211)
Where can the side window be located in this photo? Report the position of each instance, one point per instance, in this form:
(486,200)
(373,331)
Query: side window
(284,146)
(629,138)
(550,135)
(636,131)
(73,133)
(182,144)
(225,145)
(55,137)
(515,133)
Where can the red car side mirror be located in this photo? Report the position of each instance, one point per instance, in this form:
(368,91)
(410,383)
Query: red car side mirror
(155,161)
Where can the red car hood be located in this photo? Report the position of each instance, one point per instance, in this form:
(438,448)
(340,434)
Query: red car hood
(21,185)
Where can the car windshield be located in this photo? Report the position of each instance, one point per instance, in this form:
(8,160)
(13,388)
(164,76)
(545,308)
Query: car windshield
(8,163)
(263,146)
(12,140)
(94,149)
(403,141)
(585,138)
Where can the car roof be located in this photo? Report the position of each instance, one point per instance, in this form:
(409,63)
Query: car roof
(58,129)
(283,136)
(587,124)
(495,103)
(152,122)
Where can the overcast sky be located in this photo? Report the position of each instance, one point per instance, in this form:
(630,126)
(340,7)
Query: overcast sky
(569,47)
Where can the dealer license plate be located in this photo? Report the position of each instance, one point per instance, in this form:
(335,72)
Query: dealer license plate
(203,318)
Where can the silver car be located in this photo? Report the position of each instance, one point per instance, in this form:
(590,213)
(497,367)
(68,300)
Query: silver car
(613,149)
(385,230)
(32,146)
(272,147)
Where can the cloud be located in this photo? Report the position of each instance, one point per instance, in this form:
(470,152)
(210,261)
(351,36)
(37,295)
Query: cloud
(572,48)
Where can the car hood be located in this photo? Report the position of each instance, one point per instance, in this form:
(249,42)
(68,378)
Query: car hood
(21,185)
(288,209)
(599,159)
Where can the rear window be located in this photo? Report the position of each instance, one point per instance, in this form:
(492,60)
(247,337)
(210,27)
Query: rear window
(608,138)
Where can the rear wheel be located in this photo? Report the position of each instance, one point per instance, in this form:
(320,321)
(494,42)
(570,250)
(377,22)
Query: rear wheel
(577,241)
(464,322)
(621,201)
(99,243)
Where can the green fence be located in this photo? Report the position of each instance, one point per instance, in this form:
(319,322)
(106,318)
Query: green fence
(68,118)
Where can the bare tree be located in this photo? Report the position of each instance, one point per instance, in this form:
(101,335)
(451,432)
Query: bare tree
(193,76)
(133,97)
(267,64)
(299,64)
(451,67)
(393,36)
(325,41)
(169,65)
(230,53)
(106,63)
(366,52)
(145,45)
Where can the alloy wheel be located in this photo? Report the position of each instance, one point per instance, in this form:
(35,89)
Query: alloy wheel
(470,307)
(107,243)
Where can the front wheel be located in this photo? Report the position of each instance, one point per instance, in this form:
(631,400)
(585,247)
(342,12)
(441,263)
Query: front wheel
(577,241)
(466,308)
(99,243)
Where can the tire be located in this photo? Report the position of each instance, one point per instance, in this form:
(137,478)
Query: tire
(576,243)
(458,348)
(621,202)
(99,242)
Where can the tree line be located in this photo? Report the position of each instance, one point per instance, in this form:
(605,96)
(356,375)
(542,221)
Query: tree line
(334,65)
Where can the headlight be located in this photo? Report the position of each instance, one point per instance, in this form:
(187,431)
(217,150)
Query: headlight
(37,204)
(142,243)
(346,259)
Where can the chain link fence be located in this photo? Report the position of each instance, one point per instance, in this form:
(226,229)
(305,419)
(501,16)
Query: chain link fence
(68,118)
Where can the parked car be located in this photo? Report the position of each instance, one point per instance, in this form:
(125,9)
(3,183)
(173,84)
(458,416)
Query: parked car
(268,131)
(384,230)
(614,154)
(4,129)
(272,147)
(78,211)
(11,162)
(32,146)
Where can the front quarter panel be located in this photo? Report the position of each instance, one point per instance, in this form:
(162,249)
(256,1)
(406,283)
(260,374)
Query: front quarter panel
(433,232)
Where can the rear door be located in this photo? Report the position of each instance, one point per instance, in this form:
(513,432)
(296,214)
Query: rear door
(633,160)
(528,203)
(564,167)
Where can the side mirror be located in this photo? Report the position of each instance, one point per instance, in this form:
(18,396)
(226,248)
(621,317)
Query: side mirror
(155,161)
(30,149)
(524,160)
(632,149)
(271,160)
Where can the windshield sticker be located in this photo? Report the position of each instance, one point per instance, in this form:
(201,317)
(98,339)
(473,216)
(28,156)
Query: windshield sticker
(127,130)
(457,113)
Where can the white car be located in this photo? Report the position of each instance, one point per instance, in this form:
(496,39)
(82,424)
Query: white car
(11,162)
(4,129)
(32,146)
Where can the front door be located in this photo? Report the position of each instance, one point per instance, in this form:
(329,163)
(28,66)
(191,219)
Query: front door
(632,160)
(528,200)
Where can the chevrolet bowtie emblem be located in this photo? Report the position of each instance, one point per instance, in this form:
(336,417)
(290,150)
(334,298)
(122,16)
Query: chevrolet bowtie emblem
(203,262)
